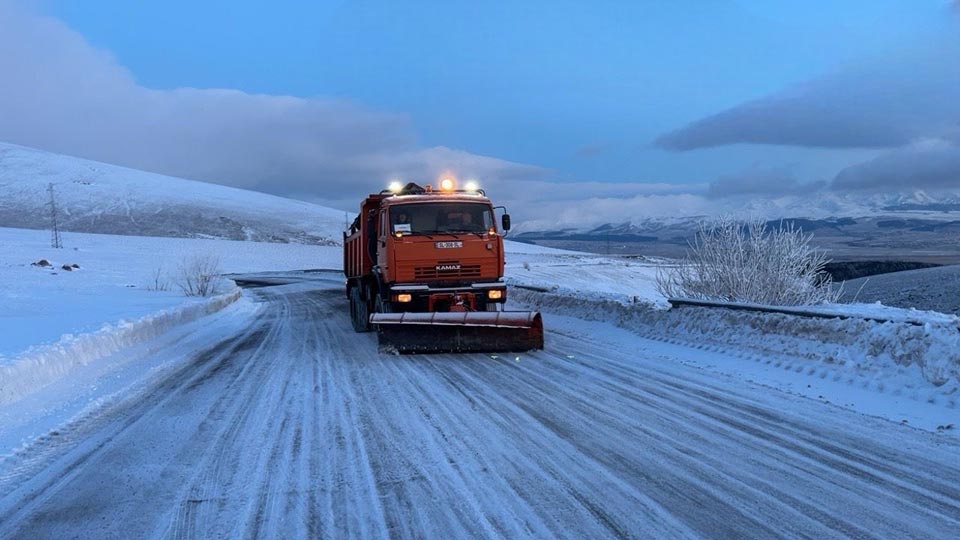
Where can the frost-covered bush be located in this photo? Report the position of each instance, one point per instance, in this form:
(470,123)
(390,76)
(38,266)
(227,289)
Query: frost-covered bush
(732,261)
(199,275)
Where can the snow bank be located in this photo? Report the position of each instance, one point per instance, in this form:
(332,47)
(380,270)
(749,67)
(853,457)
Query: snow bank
(42,365)
(860,346)
(876,312)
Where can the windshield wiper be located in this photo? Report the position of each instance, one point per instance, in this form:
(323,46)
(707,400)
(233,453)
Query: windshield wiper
(478,233)
(451,233)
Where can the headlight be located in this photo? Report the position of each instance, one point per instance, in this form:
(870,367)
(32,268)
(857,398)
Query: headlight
(495,294)
(446,184)
(404,298)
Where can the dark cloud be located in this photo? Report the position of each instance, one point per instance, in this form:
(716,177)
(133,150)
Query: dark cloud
(885,103)
(928,164)
(760,182)
(59,93)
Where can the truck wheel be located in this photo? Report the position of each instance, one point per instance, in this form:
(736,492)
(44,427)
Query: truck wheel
(359,313)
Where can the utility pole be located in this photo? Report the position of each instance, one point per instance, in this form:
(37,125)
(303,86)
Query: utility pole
(55,240)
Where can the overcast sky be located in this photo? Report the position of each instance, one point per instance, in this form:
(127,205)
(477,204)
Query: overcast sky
(579,101)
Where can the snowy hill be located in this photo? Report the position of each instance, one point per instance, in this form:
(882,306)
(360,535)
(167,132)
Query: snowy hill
(100,198)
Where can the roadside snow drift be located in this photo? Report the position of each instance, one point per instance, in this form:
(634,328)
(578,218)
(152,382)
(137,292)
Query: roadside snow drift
(852,347)
(41,365)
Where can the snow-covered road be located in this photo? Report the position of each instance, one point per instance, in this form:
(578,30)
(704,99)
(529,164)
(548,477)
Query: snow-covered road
(298,428)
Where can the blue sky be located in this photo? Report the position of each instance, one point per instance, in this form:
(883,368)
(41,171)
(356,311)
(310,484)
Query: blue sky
(581,88)
(623,107)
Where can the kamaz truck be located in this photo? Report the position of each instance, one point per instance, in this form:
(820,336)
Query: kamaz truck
(424,267)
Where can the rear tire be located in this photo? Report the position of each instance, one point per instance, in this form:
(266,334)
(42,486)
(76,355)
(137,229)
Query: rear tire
(359,311)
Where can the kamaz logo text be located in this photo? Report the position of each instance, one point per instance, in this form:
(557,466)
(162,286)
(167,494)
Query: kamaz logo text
(442,267)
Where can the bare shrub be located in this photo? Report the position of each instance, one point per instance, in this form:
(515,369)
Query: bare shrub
(159,281)
(732,261)
(199,275)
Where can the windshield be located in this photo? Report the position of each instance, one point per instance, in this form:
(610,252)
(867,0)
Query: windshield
(427,218)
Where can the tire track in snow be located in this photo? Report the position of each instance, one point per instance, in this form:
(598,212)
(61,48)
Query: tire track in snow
(28,487)
(680,409)
(716,397)
(807,433)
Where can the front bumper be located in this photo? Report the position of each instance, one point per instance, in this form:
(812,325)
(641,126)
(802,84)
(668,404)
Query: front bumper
(427,297)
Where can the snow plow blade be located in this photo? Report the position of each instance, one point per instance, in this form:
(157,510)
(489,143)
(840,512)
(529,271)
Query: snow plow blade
(476,331)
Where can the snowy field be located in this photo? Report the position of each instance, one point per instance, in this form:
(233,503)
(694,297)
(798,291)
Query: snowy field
(115,280)
(582,275)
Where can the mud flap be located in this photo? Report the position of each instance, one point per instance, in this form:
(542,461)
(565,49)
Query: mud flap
(478,331)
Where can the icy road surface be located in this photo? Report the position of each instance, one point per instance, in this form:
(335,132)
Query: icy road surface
(298,428)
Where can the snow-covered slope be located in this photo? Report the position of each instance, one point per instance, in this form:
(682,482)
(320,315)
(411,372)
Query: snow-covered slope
(101,198)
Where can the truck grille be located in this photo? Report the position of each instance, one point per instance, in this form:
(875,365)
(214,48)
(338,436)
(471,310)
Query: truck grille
(431,272)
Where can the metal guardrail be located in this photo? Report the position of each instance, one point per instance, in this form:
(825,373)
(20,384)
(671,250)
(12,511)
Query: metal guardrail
(529,288)
(798,312)
(761,308)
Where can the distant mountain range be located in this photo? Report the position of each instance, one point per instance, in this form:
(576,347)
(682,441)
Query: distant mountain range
(100,198)
(824,204)
(908,226)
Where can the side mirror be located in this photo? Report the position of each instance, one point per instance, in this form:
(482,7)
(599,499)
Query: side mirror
(505,222)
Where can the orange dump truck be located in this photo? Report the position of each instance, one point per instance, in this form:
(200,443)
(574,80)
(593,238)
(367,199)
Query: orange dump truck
(424,267)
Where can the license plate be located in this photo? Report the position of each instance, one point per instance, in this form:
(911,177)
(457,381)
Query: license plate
(447,245)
